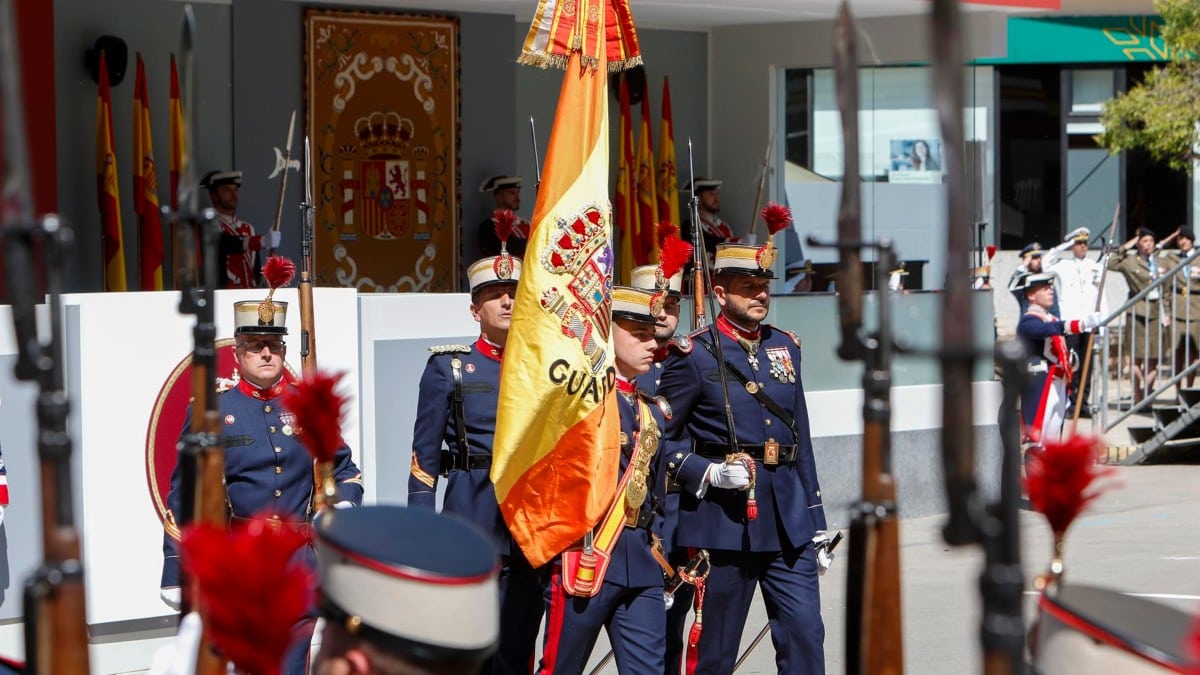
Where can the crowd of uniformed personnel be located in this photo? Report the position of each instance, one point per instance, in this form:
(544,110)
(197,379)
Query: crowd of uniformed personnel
(736,509)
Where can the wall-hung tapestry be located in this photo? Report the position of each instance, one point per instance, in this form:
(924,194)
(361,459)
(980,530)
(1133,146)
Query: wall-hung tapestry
(381,95)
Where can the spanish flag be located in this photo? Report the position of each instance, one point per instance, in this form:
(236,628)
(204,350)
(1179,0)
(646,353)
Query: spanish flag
(668,184)
(176,117)
(645,245)
(145,189)
(626,217)
(557,453)
(107,191)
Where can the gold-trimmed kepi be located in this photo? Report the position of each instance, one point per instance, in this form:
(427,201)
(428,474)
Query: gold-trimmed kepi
(268,317)
(636,304)
(496,269)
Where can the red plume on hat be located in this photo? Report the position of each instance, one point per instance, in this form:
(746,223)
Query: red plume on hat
(776,216)
(673,254)
(279,272)
(1059,479)
(991,253)
(505,221)
(666,230)
(250,590)
(320,411)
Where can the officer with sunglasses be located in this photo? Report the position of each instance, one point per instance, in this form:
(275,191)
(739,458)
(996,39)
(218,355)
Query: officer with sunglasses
(268,472)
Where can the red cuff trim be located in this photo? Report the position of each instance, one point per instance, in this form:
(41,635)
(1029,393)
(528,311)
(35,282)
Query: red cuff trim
(3,491)
(256,243)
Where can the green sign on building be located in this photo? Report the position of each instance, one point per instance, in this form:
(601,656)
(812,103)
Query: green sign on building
(1084,39)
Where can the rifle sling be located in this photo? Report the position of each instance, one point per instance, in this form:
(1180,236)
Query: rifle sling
(460,418)
(758,393)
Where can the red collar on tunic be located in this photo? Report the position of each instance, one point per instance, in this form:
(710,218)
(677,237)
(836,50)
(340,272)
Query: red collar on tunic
(263,394)
(728,328)
(626,386)
(492,351)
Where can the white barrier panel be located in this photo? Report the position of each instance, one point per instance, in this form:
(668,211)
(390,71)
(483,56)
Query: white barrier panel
(125,346)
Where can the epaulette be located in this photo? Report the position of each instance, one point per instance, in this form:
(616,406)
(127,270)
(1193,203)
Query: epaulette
(660,401)
(450,349)
(795,338)
(682,343)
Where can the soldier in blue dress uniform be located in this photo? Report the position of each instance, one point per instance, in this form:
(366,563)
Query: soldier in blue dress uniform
(405,590)
(1044,400)
(650,277)
(774,542)
(629,600)
(456,409)
(268,471)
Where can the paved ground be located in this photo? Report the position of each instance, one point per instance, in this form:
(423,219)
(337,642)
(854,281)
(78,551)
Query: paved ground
(1141,537)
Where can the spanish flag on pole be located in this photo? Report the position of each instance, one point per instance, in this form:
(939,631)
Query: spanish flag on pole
(106,188)
(176,117)
(668,184)
(645,245)
(626,214)
(557,453)
(145,189)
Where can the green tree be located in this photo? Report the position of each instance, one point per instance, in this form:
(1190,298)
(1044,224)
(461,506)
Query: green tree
(1162,114)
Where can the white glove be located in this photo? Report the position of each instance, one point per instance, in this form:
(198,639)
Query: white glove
(728,476)
(172,596)
(344,504)
(271,239)
(178,657)
(820,543)
(1,515)
(1092,320)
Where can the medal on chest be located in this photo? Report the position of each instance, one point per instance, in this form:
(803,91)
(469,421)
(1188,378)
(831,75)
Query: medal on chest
(782,368)
(289,423)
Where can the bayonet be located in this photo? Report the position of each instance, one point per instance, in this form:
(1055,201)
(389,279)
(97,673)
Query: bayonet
(537,162)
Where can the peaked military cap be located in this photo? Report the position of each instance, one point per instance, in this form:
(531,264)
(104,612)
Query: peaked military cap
(499,183)
(1079,234)
(744,259)
(1028,281)
(416,582)
(1030,250)
(496,269)
(637,304)
(703,185)
(646,277)
(256,317)
(215,179)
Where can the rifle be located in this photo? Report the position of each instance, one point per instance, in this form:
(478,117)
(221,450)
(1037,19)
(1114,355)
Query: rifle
(324,487)
(996,526)
(1087,356)
(874,641)
(699,255)
(283,162)
(202,455)
(56,630)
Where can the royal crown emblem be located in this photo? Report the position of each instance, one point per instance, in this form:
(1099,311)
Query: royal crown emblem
(578,252)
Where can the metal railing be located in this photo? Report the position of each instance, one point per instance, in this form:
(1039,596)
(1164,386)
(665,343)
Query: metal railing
(1155,332)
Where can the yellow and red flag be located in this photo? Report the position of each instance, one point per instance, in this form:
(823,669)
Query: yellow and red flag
(176,117)
(145,189)
(668,184)
(625,207)
(645,244)
(557,449)
(107,190)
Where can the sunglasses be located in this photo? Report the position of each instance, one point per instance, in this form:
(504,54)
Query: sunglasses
(256,346)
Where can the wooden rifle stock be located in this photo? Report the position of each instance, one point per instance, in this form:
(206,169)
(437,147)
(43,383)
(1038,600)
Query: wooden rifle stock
(55,607)
(874,639)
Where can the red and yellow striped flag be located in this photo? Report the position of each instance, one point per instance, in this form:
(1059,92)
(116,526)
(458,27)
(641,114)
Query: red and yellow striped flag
(176,117)
(625,207)
(145,189)
(645,244)
(668,184)
(557,450)
(107,191)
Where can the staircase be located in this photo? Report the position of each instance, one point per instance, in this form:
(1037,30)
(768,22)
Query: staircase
(1173,437)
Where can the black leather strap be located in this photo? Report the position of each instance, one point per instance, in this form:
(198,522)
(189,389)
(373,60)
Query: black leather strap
(717,451)
(758,393)
(460,418)
(453,462)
